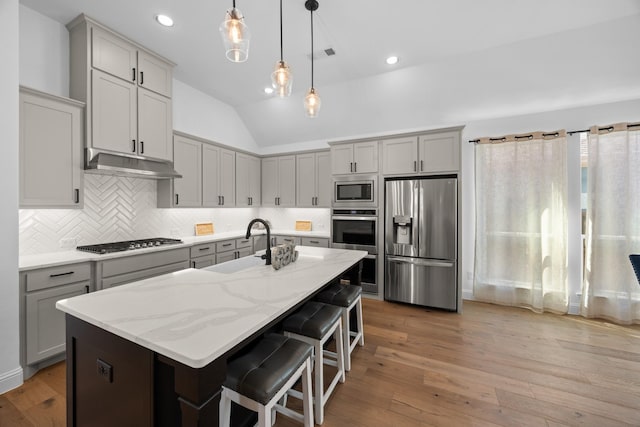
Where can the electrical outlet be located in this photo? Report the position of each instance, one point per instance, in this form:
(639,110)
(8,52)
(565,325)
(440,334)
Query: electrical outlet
(68,243)
(104,370)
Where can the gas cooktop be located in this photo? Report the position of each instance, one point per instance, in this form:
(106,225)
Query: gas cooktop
(127,245)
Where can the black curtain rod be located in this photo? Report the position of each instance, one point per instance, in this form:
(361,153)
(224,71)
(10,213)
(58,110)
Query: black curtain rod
(571,132)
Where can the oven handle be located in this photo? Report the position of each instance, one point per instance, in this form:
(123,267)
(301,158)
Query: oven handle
(356,218)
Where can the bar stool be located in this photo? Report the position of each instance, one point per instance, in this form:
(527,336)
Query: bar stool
(260,378)
(346,297)
(315,323)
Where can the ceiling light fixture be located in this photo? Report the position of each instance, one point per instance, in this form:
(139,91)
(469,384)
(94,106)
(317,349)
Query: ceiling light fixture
(164,20)
(312,101)
(392,60)
(281,78)
(235,35)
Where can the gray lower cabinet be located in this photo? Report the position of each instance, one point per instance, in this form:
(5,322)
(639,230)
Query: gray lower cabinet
(43,326)
(319,242)
(279,240)
(259,242)
(118,271)
(203,255)
(228,250)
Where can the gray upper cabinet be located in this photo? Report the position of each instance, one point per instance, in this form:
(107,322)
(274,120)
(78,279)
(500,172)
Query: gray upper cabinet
(357,157)
(247,180)
(187,160)
(279,181)
(430,153)
(51,155)
(439,152)
(127,90)
(218,176)
(313,183)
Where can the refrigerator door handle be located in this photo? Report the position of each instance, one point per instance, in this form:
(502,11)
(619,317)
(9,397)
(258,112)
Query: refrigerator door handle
(421,262)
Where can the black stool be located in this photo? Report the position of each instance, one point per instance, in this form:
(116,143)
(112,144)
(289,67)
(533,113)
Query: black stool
(346,297)
(260,378)
(315,323)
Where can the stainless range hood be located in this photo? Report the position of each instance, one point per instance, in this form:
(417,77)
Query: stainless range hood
(110,163)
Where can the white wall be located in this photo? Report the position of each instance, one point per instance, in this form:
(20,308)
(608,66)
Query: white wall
(44,53)
(199,114)
(10,370)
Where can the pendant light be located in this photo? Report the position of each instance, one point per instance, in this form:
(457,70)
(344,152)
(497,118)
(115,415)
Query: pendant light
(235,35)
(312,101)
(281,78)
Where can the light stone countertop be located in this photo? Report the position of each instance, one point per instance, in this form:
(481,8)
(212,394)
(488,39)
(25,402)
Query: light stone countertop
(195,316)
(52,259)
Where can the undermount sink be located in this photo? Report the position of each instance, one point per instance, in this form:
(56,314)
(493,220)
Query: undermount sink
(237,265)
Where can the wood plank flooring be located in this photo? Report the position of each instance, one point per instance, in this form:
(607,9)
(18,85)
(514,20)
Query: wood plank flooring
(490,366)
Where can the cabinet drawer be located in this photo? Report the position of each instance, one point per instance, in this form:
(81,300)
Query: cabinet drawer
(134,263)
(287,239)
(314,241)
(203,249)
(244,243)
(143,274)
(203,262)
(55,276)
(225,245)
(45,325)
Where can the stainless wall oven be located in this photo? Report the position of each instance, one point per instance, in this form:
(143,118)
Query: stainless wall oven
(357,229)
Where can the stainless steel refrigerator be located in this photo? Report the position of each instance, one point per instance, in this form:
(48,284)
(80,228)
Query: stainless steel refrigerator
(421,235)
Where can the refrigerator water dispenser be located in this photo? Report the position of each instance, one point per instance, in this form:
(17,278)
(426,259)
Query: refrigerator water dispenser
(402,226)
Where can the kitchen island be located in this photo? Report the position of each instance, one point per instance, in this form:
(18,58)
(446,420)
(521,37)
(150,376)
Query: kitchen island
(154,352)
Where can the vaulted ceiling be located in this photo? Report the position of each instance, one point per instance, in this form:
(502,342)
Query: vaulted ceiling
(460,60)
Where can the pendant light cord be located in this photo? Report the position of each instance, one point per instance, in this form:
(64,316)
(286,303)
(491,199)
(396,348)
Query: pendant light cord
(234,4)
(311,48)
(281,55)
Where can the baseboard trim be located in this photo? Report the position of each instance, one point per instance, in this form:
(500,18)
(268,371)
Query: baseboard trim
(10,380)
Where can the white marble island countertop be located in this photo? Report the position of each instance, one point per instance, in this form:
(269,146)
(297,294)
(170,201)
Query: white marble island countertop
(195,316)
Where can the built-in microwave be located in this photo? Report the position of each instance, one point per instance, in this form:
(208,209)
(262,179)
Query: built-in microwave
(354,191)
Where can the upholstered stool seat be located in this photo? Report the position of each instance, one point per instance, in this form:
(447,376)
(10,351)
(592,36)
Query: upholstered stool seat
(347,297)
(315,323)
(260,378)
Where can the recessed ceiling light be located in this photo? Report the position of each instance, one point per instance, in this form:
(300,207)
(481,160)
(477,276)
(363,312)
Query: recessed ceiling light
(268,90)
(164,20)
(392,60)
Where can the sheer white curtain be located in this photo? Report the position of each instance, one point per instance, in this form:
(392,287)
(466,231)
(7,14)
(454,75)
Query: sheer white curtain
(610,289)
(521,221)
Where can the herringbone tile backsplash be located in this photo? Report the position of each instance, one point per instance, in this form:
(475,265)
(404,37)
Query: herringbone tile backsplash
(117,208)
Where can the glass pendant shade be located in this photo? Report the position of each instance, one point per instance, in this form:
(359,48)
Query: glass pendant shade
(281,79)
(235,36)
(312,103)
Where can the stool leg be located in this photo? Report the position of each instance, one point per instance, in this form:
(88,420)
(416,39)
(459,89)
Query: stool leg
(346,339)
(307,405)
(337,335)
(225,410)
(319,383)
(360,322)
(264,416)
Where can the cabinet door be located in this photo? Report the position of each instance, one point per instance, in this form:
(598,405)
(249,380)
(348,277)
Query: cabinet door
(113,55)
(255,188)
(247,180)
(187,162)
(50,152)
(287,181)
(306,180)
(400,155)
(44,324)
(154,125)
(323,180)
(342,159)
(440,152)
(114,113)
(269,181)
(154,74)
(211,176)
(365,157)
(225,256)
(227,168)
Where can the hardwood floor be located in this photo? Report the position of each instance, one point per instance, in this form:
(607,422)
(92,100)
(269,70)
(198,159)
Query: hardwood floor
(489,366)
